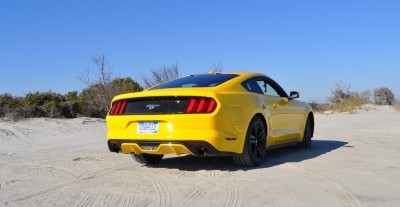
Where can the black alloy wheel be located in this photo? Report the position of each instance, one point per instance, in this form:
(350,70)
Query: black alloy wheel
(254,150)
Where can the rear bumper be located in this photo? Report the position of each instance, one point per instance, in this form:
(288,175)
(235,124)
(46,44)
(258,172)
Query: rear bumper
(176,131)
(198,148)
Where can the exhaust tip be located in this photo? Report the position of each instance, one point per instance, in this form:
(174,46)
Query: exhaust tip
(114,146)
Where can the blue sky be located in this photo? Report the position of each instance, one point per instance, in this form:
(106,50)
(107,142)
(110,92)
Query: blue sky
(305,45)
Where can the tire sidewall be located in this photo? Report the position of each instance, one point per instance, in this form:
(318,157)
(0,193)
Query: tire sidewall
(247,154)
(307,134)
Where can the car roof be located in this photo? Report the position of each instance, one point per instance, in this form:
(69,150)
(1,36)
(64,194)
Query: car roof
(240,73)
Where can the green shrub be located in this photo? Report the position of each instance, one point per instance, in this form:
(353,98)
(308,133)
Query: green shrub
(124,85)
(8,103)
(52,109)
(96,99)
(44,104)
(92,102)
(18,113)
(72,107)
(7,100)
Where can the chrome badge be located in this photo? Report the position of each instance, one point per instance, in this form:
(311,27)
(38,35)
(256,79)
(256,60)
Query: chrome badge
(152,106)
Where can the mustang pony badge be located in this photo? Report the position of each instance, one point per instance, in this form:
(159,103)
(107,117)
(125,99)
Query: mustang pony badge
(152,106)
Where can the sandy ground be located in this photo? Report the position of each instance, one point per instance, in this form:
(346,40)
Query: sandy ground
(354,161)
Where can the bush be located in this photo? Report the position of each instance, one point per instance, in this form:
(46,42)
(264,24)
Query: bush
(12,107)
(44,104)
(345,100)
(52,109)
(383,96)
(18,113)
(93,102)
(124,85)
(349,104)
(8,103)
(72,107)
(96,98)
(317,107)
(41,104)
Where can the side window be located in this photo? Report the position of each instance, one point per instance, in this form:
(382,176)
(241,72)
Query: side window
(267,88)
(262,85)
(252,85)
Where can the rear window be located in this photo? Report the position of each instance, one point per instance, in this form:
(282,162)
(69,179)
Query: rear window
(207,80)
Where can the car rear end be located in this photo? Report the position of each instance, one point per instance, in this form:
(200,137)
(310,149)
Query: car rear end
(173,120)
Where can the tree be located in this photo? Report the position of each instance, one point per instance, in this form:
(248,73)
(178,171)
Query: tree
(217,68)
(99,96)
(96,97)
(340,92)
(383,96)
(164,74)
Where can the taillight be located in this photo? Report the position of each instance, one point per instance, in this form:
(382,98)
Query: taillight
(200,105)
(118,108)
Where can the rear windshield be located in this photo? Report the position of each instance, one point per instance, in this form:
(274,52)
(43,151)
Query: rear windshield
(207,80)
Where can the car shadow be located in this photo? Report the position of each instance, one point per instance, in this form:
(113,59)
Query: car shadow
(274,157)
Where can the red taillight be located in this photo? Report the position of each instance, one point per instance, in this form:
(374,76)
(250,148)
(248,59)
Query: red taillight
(122,109)
(200,105)
(113,109)
(118,108)
(211,106)
(191,106)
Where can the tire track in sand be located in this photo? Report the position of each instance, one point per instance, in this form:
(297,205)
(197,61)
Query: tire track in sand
(164,195)
(233,198)
(198,193)
(90,198)
(333,188)
(11,137)
(41,194)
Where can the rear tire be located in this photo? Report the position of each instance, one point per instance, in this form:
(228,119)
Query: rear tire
(306,143)
(254,150)
(147,158)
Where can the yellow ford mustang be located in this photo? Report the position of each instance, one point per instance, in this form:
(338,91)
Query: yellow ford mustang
(223,114)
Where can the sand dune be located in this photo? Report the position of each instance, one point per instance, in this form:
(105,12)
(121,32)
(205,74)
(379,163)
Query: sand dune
(354,161)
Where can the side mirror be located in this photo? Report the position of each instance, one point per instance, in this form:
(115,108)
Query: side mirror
(294,94)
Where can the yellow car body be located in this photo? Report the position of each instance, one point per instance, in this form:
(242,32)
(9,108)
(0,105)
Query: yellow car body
(223,131)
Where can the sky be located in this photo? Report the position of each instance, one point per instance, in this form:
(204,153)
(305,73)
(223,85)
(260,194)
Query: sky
(307,45)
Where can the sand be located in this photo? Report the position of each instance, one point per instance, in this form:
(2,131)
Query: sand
(354,161)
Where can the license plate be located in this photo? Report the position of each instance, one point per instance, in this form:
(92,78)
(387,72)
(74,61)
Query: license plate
(147,127)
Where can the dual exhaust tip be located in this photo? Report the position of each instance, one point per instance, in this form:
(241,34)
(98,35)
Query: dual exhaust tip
(197,148)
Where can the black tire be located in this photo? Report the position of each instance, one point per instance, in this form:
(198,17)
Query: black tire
(306,143)
(147,158)
(255,148)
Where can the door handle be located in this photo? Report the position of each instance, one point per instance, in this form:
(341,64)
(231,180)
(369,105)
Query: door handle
(274,106)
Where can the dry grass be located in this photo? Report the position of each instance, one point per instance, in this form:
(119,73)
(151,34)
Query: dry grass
(350,104)
(317,107)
